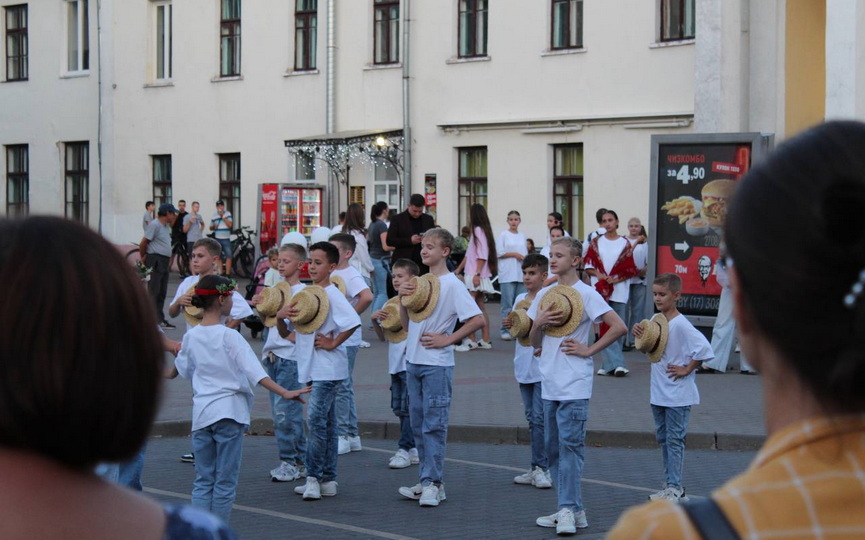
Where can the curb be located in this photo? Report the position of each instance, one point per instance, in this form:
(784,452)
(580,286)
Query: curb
(507,435)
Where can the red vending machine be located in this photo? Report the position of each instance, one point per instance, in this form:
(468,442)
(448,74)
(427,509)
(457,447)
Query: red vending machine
(284,208)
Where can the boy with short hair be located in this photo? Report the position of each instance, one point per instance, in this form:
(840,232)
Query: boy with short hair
(528,375)
(430,364)
(278,357)
(402,271)
(566,381)
(360,297)
(322,360)
(674,382)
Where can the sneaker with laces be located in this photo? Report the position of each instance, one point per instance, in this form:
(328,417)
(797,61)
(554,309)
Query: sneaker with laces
(188,458)
(466,346)
(400,460)
(506,336)
(354,443)
(166,324)
(365,345)
(669,493)
(311,490)
(541,479)
(621,371)
(286,472)
(415,491)
(565,521)
(484,344)
(430,495)
(413,456)
(603,372)
(524,479)
(344,445)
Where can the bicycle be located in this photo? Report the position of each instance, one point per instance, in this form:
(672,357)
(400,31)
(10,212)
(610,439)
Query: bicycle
(181,255)
(243,252)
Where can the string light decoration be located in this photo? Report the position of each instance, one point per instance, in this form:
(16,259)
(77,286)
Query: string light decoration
(338,153)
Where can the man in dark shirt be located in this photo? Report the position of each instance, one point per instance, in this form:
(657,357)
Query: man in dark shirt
(406,230)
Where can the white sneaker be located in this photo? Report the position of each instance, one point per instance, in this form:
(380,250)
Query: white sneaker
(525,479)
(466,346)
(364,345)
(484,344)
(413,456)
(603,372)
(621,371)
(325,489)
(311,491)
(565,521)
(415,491)
(344,445)
(286,472)
(536,477)
(506,336)
(400,460)
(354,443)
(669,493)
(430,495)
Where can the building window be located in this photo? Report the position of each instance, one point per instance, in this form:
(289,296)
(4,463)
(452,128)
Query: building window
(229,184)
(17,180)
(386,185)
(77,36)
(472,181)
(161,179)
(164,21)
(567,19)
(16,43)
(305,34)
(304,166)
(77,180)
(473,28)
(386,31)
(677,20)
(568,186)
(229,31)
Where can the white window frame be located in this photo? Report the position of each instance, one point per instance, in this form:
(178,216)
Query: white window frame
(391,185)
(82,26)
(166,42)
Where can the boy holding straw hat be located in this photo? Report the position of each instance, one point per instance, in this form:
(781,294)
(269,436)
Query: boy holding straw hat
(676,349)
(563,317)
(429,307)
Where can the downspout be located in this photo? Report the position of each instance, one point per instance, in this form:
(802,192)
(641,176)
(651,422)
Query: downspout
(330,98)
(99,103)
(406,124)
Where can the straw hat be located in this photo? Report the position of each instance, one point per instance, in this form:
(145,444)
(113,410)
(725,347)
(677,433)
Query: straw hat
(273,299)
(521,324)
(421,303)
(654,338)
(312,305)
(192,314)
(523,304)
(566,299)
(339,283)
(392,325)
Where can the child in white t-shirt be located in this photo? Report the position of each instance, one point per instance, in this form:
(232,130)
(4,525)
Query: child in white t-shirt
(322,360)
(359,295)
(528,375)
(512,249)
(403,270)
(430,364)
(674,382)
(566,382)
(224,370)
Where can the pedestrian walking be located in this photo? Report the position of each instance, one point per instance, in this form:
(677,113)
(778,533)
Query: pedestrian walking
(155,252)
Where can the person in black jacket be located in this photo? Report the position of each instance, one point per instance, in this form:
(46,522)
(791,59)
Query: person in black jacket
(406,230)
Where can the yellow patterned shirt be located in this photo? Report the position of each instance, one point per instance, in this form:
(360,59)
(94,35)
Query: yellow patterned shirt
(808,481)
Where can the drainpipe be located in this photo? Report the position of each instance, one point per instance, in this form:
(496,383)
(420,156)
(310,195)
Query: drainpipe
(99,104)
(406,124)
(330,116)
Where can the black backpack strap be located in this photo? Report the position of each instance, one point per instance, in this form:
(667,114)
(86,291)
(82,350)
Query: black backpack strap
(709,519)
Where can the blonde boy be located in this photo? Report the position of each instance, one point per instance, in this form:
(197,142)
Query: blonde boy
(566,382)
(430,364)
(360,297)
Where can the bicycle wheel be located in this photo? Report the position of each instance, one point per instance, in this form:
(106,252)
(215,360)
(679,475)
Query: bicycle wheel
(244,262)
(183,262)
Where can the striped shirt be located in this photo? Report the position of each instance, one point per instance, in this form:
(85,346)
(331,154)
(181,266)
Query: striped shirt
(808,481)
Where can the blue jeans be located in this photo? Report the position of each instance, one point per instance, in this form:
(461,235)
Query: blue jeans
(346,412)
(322,447)
(566,439)
(429,400)
(125,474)
(218,451)
(399,404)
(612,355)
(226,247)
(671,425)
(287,413)
(379,283)
(534,407)
(510,291)
(636,311)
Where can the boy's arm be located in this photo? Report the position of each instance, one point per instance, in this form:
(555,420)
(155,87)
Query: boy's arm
(617,330)
(233,323)
(269,384)
(331,343)
(439,341)
(282,328)
(170,373)
(364,300)
(680,372)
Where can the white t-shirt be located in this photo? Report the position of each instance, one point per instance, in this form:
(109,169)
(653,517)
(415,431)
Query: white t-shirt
(526,365)
(600,231)
(222,230)
(360,259)
(277,344)
(224,371)
(609,251)
(685,343)
(641,259)
(565,377)
(454,303)
(272,277)
(396,357)
(318,364)
(354,285)
(239,308)
(510,268)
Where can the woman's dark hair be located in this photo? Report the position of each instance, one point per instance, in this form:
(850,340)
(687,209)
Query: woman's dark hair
(376,210)
(478,218)
(557,216)
(354,219)
(533,244)
(557,227)
(209,282)
(81,359)
(611,212)
(810,188)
